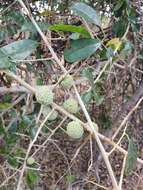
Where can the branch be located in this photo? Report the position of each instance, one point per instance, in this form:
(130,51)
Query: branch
(18,79)
(102,137)
(128,109)
(29,149)
(13,89)
(104,154)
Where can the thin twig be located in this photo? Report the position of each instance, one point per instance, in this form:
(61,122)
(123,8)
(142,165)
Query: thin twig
(91,154)
(29,149)
(55,57)
(126,118)
(98,185)
(122,172)
(105,157)
(49,137)
(102,137)
(119,141)
(8,7)
(18,79)
(33,60)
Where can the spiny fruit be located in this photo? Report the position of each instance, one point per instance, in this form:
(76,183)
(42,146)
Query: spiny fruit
(44,95)
(67,81)
(46,110)
(30,161)
(75,130)
(71,105)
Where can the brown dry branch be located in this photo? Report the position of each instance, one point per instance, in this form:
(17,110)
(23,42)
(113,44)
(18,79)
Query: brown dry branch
(19,80)
(105,157)
(127,110)
(102,137)
(49,137)
(29,149)
(122,172)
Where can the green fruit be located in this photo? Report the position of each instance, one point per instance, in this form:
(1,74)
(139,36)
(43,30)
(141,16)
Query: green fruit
(30,161)
(75,130)
(67,82)
(44,95)
(71,105)
(46,110)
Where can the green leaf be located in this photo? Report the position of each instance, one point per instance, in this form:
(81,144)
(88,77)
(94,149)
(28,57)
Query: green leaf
(32,132)
(104,120)
(4,60)
(70,28)
(133,19)
(120,8)
(13,127)
(119,5)
(2,129)
(119,28)
(88,73)
(7,31)
(31,177)
(25,122)
(127,48)
(70,178)
(87,96)
(12,161)
(10,140)
(4,106)
(109,52)
(28,26)
(81,49)
(75,36)
(98,98)
(19,49)
(87,12)
(131,157)
(16,17)
(16,50)
(19,152)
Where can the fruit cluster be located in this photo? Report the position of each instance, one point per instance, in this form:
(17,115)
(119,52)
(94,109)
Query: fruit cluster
(45,96)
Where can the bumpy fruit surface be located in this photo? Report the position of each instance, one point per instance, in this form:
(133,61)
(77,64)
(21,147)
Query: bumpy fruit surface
(30,161)
(46,110)
(71,105)
(75,130)
(44,95)
(67,81)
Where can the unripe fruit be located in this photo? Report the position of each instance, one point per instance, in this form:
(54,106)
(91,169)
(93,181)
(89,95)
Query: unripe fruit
(75,130)
(44,95)
(67,82)
(46,110)
(71,105)
(30,161)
